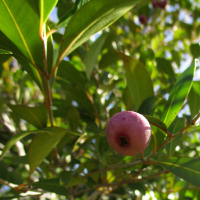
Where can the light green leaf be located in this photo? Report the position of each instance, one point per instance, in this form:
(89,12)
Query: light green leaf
(92,55)
(2,51)
(138,80)
(186,168)
(42,144)
(91,18)
(20,24)
(46,7)
(36,116)
(178,95)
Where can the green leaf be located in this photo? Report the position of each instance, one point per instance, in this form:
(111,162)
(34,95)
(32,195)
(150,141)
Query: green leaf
(194,98)
(13,141)
(149,105)
(2,51)
(185,168)
(178,95)
(51,185)
(92,55)
(195,50)
(42,144)
(46,7)
(6,44)
(156,122)
(138,80)
(68,73)
(91,18)
(165,66)
(20,24)
(36,116)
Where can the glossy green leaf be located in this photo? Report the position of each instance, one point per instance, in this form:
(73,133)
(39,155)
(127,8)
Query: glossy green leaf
(46,7)
(93,53)
(138,80)
(24,34)
(42,144)
(91,18)
(186,168)
(178,95)
(194,98)
(51,185)
(36,116)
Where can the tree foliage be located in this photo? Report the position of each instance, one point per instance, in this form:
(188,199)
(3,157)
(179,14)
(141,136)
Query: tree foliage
(67,66)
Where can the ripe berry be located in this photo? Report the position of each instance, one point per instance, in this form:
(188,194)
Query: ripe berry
(128,133)
(156,4)
(163,4)
(143,19)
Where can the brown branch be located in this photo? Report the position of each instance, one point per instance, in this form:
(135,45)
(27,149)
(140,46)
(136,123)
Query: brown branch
(48,93)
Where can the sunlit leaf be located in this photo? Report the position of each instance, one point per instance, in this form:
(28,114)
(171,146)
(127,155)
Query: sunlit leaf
(92,17)
(46,7)
(24,34)
(178,95)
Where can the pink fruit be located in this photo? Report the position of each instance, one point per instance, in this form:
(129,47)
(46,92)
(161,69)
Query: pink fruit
(128,133)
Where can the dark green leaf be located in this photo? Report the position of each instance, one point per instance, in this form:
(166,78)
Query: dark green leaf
(178,95)
(186,168)
(36,116)
(165,66)
(194,98)
(68,73)
(13,141)
(156,122)
(51,185)
(138,80)
(42,144)
(92,55)
(149,106)
(195,50)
